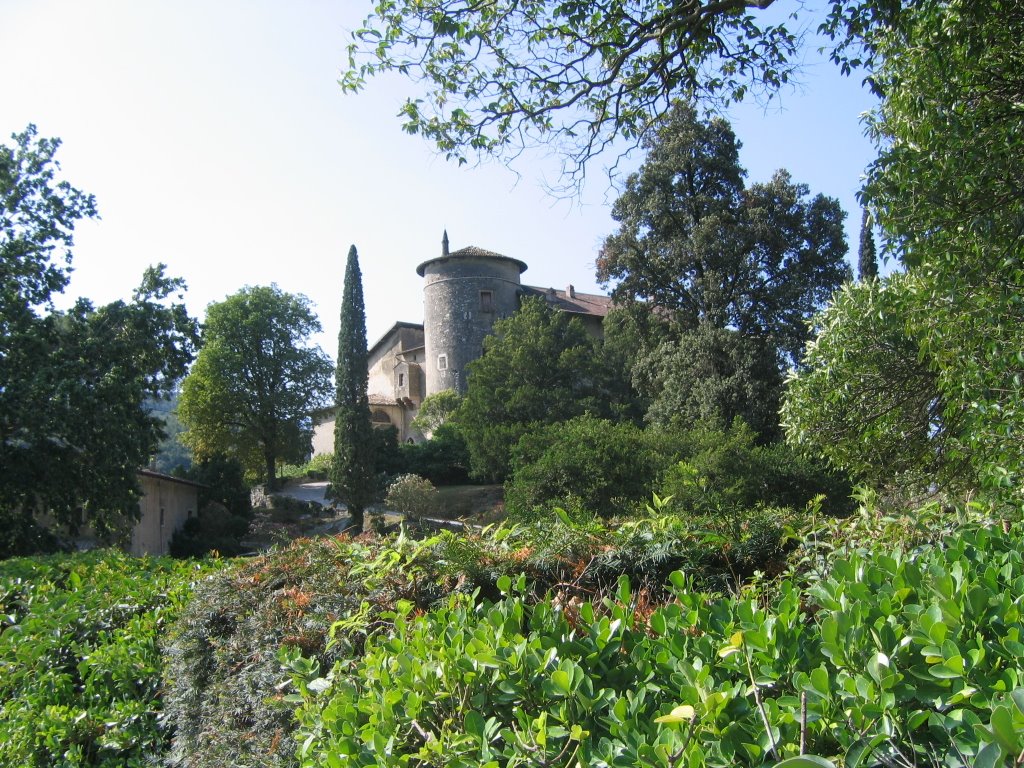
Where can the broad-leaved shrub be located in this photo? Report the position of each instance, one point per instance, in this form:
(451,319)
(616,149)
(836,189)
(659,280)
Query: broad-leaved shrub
(80,666)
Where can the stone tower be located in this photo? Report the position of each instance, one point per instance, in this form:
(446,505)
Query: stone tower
(464,292)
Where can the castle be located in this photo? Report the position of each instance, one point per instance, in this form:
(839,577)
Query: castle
(464,293)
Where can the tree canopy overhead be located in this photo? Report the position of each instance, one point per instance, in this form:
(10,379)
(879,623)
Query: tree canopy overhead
(506,74)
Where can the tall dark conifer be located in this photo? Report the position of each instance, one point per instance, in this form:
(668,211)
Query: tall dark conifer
(867,262)
(353,469)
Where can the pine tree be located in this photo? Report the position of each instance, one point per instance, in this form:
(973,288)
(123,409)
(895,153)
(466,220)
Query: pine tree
(867,264)
(352,471)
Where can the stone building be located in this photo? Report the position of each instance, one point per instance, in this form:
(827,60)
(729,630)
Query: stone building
(464,293)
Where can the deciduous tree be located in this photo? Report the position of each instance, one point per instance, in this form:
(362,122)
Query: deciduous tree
(868,401)
(74,386)
(255,381)
(709,377)
(435,410)
(506,74)
(353,470)
(76,423)
(735,272)
(38,214)
(946,188)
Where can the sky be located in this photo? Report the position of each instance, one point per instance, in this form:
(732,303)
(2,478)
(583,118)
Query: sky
(217,141)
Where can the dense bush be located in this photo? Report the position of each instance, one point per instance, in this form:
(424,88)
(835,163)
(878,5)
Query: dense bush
(894,659)
(79,661)
(214,529)
(727,471)
(387,454)
(22,535)
(443,459)
(607,467)
(223,481)
(322,596)
(413,496)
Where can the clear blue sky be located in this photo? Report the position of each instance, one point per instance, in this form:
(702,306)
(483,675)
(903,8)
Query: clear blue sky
(216,140)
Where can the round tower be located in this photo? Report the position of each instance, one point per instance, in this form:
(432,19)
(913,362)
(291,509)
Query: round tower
(464,292)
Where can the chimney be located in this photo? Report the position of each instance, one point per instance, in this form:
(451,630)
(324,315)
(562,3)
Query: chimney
(571,291)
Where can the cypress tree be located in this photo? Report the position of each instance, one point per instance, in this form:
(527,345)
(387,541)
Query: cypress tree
(867,264)
(353,478)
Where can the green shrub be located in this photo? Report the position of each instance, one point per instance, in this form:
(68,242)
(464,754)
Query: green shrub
(22,535)
(288,509)
(608,468)
(314,469)
(413,496)
(213,529)
(897,658)
(388,455)
(319,465)
(443,459)
(223,481)
(723,472)
(79,662)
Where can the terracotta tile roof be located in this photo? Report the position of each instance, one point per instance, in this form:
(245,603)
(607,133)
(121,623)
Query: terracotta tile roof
(376,399)
(576,302)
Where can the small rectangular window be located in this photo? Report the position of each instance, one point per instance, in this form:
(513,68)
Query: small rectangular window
(161,517)
(442,362)
(486,301)
(401,380)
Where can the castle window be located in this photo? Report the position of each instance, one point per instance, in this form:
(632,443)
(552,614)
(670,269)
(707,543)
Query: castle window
(401,379)
(161,517)
(486,301)
(442,362)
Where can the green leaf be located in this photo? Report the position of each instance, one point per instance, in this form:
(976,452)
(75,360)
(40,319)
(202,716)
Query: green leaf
(474,724)
(805,761)
(990,756)
(681,714)
(562,680)
(943,672)
(1002,726)
(1018,699)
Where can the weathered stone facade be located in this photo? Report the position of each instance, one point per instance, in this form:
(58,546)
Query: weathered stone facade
(464,293)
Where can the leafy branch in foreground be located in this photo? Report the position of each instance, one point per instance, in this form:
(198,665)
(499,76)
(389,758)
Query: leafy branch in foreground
(505,75)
